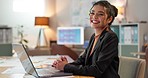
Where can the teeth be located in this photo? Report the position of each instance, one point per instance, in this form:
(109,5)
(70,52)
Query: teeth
(95,22)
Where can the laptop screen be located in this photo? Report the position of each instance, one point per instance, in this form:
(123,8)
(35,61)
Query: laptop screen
(70,35)
(25,59)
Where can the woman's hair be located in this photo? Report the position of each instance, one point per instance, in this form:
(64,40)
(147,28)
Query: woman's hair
(111,10)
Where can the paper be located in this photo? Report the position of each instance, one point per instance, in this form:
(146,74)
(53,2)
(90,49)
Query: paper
(14,70)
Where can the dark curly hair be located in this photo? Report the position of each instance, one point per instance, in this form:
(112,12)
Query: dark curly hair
(110,9)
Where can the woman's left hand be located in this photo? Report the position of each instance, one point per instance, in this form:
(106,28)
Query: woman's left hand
(59,64)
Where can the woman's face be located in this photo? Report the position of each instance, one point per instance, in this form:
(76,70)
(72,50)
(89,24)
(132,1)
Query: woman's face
(98,17)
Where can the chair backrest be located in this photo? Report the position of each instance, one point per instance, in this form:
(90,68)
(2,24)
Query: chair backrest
(131,67)
(146,72)
(6,50)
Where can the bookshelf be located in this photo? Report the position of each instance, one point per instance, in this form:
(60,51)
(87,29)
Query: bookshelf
(5,34)
(131,37)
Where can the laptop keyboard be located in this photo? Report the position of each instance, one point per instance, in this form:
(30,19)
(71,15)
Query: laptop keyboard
(47,71)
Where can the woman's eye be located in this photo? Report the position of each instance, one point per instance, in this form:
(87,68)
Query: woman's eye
(100,14)
(91,13)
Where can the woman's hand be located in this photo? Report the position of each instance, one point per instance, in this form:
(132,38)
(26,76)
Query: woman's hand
(60,63)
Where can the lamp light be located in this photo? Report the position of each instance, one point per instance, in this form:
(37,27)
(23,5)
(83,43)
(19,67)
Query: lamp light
(42,22)
(121,6)
(121,13)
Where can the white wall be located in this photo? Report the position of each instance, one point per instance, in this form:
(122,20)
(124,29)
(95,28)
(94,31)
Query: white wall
(136,11)
(59,12)
(14,19)
(63,12)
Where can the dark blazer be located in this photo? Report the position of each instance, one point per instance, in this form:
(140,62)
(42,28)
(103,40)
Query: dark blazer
(104,61)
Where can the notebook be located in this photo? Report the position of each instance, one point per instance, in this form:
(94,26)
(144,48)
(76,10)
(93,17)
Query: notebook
(30,68)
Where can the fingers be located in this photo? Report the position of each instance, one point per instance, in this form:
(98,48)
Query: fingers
(63,58)
(60,65)
(55,63)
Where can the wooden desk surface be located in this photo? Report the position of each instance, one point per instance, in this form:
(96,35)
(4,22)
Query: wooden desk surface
(28,76)
(4,65)
(2,69)
(138,53)
(12,76)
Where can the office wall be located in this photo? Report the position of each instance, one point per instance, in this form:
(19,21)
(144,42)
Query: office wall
(59,12)
(63,12)
(14,19)
(135,11)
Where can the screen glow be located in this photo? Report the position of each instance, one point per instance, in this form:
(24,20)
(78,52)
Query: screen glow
(70,35)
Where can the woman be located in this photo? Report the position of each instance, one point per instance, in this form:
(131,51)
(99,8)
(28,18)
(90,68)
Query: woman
(100,58)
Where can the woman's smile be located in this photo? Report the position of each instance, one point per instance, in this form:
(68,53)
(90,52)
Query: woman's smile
(95,21)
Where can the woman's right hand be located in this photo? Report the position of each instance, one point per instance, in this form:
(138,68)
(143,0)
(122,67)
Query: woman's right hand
(62,58)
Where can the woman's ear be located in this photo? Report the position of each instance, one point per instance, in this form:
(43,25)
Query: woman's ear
(109,19)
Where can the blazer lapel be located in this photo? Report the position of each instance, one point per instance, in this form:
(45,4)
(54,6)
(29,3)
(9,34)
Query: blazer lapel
(98,44)
(88,51)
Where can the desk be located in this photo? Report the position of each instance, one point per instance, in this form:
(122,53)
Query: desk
(138,54)
(10,67)
(39,51)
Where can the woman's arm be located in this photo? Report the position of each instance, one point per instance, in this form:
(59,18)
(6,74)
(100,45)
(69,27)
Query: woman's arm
(81,58)
(109,50)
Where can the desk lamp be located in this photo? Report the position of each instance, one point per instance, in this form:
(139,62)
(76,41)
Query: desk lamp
(42,22)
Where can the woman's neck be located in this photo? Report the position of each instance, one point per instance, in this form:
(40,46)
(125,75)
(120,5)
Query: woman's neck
(98,31)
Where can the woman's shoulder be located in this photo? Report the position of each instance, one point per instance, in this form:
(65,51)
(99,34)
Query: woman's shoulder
(110,33)
(92,36)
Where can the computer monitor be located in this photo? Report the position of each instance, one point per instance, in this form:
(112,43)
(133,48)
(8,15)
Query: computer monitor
(70,35)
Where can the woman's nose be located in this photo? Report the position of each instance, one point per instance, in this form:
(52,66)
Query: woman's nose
(95,16)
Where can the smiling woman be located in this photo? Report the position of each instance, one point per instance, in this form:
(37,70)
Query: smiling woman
(31,6)
(100,58)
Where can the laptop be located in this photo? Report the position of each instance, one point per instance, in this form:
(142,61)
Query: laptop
(30,68)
